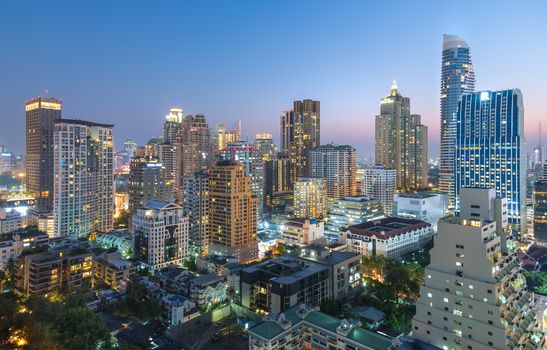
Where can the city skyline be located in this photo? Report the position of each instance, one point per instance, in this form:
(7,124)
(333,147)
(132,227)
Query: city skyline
(235,75)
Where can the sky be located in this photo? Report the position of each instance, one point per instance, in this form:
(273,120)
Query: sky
(128,62)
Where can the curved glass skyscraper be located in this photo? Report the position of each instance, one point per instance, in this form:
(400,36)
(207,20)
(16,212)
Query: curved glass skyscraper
(457,78)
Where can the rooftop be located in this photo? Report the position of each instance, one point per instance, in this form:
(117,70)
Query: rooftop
(419,195)
(83,122)
(388,227)
(453,41)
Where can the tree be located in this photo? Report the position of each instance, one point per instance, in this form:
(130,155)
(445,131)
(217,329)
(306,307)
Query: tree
(80,329)
(331,307)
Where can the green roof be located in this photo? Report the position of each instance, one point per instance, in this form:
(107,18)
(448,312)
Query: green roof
(369,339)
(267,329)
(323,320)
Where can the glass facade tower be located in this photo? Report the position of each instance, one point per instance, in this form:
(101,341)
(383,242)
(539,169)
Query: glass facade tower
(457,78)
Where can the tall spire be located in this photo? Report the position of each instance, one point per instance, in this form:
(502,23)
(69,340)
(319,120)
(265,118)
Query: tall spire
(394,89)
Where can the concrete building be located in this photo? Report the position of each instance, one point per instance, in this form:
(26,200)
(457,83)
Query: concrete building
(196,204)
(279,284)
(161,235)
(302,327)
(380,183)
(401,141)
(540,210)
(310,198)
(179,309)
(344,268)
(425,206)
(41,115)
(173,125)
(265,145)
(300,133)
(122,241)
(392,237)
(9,221)
(301,232)
(232,215)
(350,211)
(14,243)
(147,181)
(491,148)
(110,269)
(474,295)
(336,164)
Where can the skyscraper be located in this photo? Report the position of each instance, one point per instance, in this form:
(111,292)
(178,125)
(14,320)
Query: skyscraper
(335,164)
(84,178)
(173,125)
(474,295)
(196,204)
(161,235)
(457,78)
(300,132)
(490,148)
(146,182)
(380,183)
(310,198)
(41,115)
(232,215)
(401,141)
(265,146)
(129,149)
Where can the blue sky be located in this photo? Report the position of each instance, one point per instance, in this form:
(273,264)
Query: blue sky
(128,62)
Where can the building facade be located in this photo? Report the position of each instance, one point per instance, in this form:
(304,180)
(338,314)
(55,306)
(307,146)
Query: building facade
(457,78)
(301,232)
(84,178)
(310,198)
(401,141)
(41,115)
(161,235)
(196,204)
(336,164)
(146,182)
(265,145)
(490,148)
(425,206)
(380,183)
(474,295)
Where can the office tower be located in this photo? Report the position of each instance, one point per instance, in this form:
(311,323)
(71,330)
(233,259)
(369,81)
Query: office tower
(359,180)
(232,215)
(300,132)
(151,147)
(351,210)
(173,125)
(84,178)
(167,156)
(474,295)
(196,205)
(41,115)
(310,198)
(401,141)
(223,136)
(264,144)
(129,149)
(540,208)
(490,148)
(457,78)
(380,183)
(253,164)
(335,164)
(146,182)
(161,235)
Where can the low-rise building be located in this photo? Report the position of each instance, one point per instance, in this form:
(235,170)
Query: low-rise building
(122,241)
(14,243)
(178,309)
(425,206)
(301,232)
(392,237)
(344,270)
(213,263)
(279,284)
(9,221)
(303,328)
(208,290)
(112,270)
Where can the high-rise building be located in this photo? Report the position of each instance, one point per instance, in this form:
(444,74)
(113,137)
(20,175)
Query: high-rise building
(300,132)
(490,148)
(196,204)
(474,295)
(540,208)
(457,78)
(84,178)
(380,183)
(401,141)
(265,145)
(41,115)
(232,214)
(252,161)
(167,156)
(276,178)
(335,164)
(351,210)
(310,198)
(173,125)
(161,235)
(146,182)
(222,136)
(129,149)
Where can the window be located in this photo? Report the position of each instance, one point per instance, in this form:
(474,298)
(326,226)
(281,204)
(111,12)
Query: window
(489,333)
(490,343)
(489,291)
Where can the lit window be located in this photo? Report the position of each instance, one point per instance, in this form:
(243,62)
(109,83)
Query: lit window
(430,295)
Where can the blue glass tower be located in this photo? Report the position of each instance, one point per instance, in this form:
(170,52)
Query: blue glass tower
(457,78)
(490,148)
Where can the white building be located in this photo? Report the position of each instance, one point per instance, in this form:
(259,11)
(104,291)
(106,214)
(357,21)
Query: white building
(474,295)
(425,206)
(9,221)
(380,183)
(179,309)
(83,178)
(392,237)
(336,164)
(301,232)
(161,234)
(310,198)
